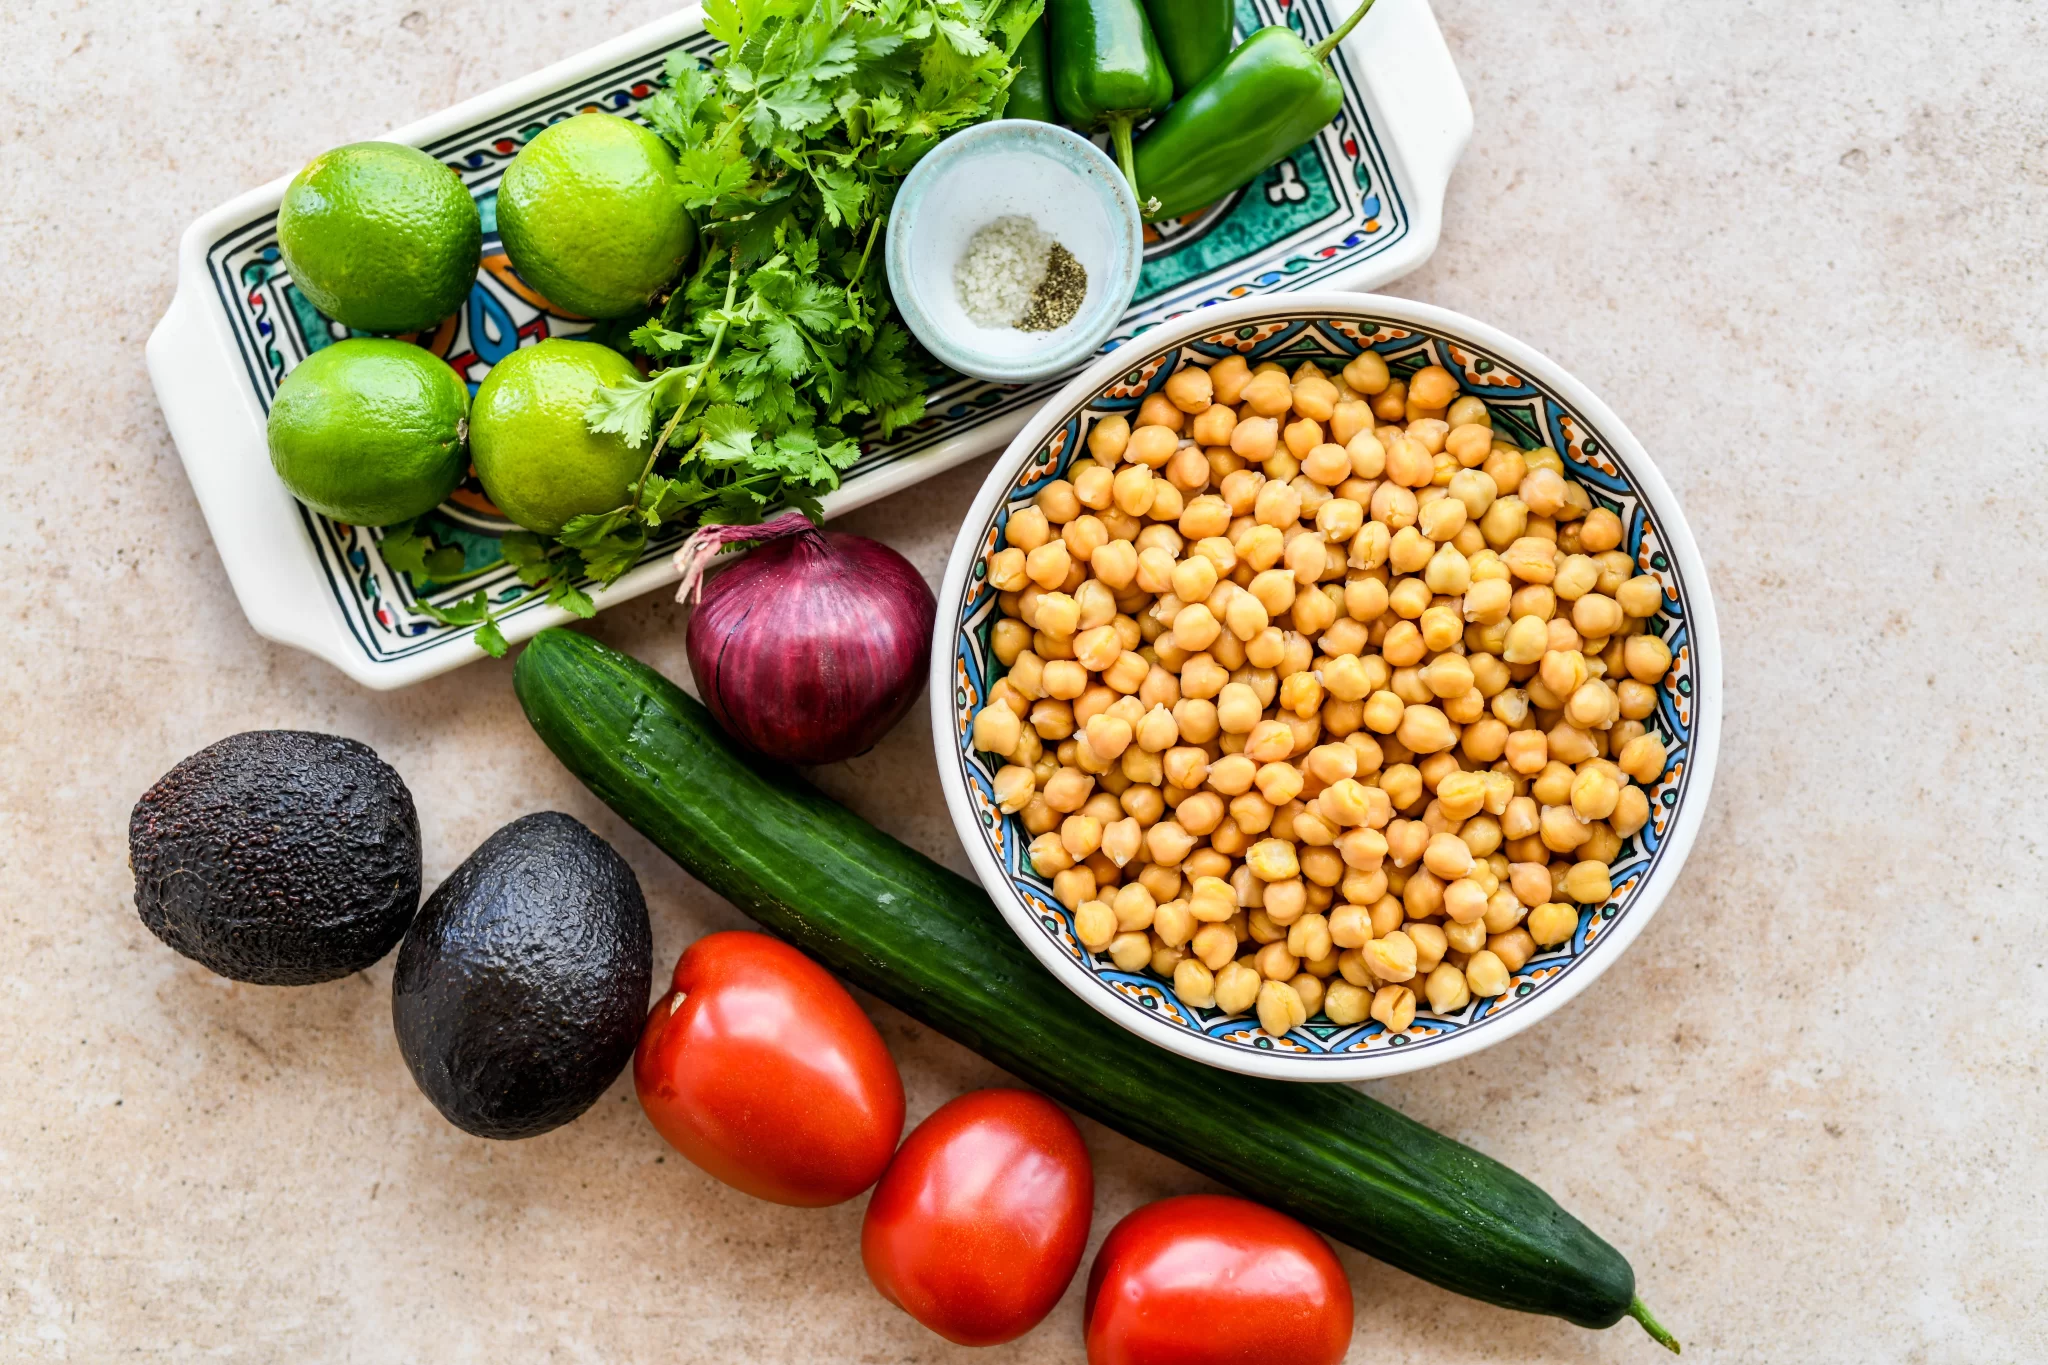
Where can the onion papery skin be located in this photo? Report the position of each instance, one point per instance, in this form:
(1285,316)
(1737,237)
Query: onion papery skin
(811,647)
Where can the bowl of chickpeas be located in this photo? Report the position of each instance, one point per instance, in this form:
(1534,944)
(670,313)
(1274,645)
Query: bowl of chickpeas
(1326,686)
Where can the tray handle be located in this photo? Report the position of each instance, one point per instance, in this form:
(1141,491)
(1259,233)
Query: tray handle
(1399,52)
(217,426)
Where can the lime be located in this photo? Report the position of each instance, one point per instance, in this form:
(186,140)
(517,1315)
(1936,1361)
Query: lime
(380,237)
(370,431)
(591,214)
(538,459)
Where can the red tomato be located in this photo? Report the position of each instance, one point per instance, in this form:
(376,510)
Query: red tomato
(761,1069)
(979,1224)
(1208,1280)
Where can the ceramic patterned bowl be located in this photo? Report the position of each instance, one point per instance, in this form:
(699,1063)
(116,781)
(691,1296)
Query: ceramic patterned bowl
(1535,403)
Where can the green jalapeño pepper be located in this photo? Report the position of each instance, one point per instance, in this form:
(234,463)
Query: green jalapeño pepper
(1031,90)
(1270,96)
(1194,35)
(1107,71)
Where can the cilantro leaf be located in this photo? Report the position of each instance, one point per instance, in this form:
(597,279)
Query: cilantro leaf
(447,562)
(727,434)
(404,548)
(490,639)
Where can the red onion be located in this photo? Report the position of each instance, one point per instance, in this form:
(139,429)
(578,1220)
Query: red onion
(811,647)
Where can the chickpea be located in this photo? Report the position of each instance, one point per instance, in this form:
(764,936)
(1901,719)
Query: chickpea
(1447,990)
(1328,464)
(1552,923)
(1391,958)
(1527,641)
(1228,377)
(1280,1009)
(1485,974)
(1314,395)
(1394,1007)
(1194,985)
(1108,437)
(1646,657)
(1306,556)
(1631,812)
(1593,706)
(1430,945)
(1531,883)
(1513,947)
(1207,515)
(1596,616)
(1027,529)
(1268,394)
(1132,489)
(1561,829)
(1348,417)
(1367,373)
(1601,531)
(996,730)
(1213,426)
(1425,729)
(1196,718)
(1309,937)
(1255,439)
(1577,576)
(1504,522)
(1073,886)
(1394,506)
(1094,925)
(1594,794)
(1432,387)
(1059,615)
(1276,963)
(1150,447)
(1350,926)
(1531,559)
(1128,674)
(1409,463)
(1190,389)
(1588,883)
(1272,860)
(1447,857)
(1006,570)
(1345,1004)
(1236,988)
(1093,486)
(1639,597)
(1158,410)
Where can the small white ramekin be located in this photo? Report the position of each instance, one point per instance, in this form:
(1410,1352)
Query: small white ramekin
(1058,179)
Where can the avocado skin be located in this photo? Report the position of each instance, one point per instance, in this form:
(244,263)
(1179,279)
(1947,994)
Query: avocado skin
(278,857)
(522,985)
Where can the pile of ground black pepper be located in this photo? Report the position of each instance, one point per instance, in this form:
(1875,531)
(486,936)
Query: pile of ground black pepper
(1059,297)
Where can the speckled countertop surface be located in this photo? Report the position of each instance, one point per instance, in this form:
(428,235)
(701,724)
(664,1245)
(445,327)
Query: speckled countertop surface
(1799,249)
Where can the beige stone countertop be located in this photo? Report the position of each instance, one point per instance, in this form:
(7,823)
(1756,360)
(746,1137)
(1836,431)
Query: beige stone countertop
(1799,248)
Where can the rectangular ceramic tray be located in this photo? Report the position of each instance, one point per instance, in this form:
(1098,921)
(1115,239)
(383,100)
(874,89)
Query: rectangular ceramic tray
(1358,206)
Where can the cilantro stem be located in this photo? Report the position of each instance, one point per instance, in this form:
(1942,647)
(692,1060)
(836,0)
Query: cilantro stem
(466,574)
(703,367)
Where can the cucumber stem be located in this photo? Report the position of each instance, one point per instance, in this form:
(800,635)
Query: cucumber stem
(1639,1311)
(1329,44)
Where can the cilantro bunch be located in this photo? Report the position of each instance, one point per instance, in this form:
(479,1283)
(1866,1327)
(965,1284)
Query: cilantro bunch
(781,338)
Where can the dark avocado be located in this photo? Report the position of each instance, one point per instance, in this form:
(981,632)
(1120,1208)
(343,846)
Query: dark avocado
(522,986)
(280,857)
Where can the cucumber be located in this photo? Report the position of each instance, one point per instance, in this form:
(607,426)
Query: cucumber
(929,942)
